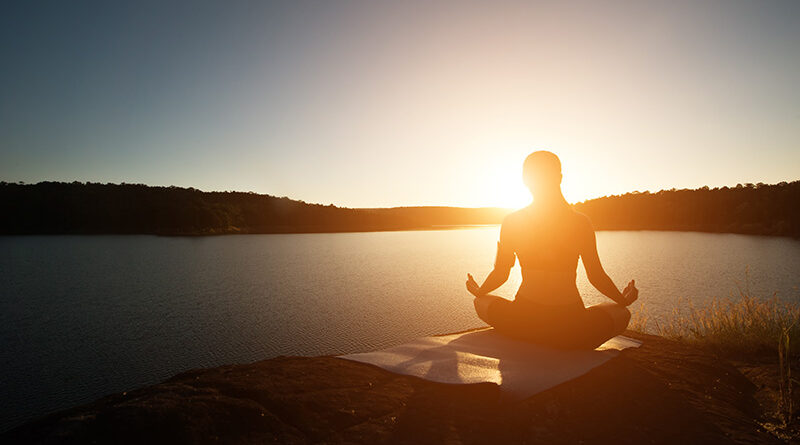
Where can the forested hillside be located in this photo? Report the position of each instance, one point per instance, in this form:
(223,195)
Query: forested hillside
(53,207)
(750,208)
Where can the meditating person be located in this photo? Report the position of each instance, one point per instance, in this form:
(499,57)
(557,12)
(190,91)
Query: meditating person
(547,237)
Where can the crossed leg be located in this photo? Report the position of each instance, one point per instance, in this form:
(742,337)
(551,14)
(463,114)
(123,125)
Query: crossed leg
(482,304)
(619,314)
(595,326)
(603,322)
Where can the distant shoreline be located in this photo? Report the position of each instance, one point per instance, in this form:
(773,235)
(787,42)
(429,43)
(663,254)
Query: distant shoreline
(93,208)
(299,231)
(280,231)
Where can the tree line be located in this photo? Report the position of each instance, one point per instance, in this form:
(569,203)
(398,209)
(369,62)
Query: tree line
(94,208)
(760,209)
(89,208)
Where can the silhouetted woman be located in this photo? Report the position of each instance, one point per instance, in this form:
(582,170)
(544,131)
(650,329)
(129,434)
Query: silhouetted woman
(548,237)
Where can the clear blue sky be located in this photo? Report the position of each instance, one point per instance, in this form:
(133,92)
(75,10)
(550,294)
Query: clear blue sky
(362,103)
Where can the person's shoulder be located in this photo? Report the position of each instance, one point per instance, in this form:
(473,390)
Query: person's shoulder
(513,223)
(581,220)
(515,217)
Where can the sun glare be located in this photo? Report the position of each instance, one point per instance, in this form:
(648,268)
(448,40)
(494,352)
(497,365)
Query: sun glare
(518,197)
(510,192)
(573,190)
(514,194)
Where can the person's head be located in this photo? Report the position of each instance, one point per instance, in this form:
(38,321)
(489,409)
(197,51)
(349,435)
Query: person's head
(541,172)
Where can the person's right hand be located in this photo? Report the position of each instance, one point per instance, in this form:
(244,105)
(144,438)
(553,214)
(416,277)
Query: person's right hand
(630,294)
(473,287)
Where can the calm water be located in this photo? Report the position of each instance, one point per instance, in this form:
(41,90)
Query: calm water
(84,316)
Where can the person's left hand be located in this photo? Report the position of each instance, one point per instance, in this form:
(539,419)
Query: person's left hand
(630,294)
(473,287)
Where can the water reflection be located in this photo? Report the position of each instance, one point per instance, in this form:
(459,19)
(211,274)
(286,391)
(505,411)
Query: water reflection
(81,317)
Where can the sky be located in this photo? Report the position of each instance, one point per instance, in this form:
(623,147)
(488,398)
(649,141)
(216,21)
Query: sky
(379,104)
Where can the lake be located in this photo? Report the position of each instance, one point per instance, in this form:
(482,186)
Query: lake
(85,316)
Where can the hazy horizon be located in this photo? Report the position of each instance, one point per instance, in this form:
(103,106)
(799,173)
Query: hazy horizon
(365,105)
(404,205)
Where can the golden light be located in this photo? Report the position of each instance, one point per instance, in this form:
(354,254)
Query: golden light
(574,189)
(498,181)
(512,192)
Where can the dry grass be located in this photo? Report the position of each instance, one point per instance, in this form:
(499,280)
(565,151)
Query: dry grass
(745,326)
(738,328)
(786,382)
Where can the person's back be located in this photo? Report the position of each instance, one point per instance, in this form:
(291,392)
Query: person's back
(547,243)
(548,237)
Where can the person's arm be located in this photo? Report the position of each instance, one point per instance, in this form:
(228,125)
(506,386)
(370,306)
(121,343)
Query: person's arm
(503,263)
(598,276)
(495,279)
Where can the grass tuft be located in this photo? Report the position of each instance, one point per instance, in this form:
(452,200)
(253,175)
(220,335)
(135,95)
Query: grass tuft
(738,328)
(745,326)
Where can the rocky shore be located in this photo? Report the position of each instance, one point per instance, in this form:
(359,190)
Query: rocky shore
(663,392)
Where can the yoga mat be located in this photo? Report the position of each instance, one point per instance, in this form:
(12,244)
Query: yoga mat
(520,369)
